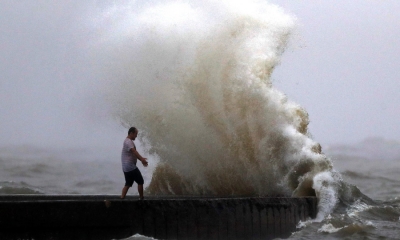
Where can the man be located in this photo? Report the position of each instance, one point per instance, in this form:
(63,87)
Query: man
(129,157)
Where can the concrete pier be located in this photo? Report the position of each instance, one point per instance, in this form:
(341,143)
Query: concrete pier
(99,217)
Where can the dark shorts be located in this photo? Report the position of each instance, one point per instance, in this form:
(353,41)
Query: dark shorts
(134,175)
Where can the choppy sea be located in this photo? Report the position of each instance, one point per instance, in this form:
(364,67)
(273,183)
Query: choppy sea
(371,166)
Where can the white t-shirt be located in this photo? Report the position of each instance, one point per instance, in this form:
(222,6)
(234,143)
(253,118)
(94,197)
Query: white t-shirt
(128,159)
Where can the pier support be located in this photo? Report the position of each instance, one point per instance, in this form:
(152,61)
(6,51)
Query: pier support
(99,217)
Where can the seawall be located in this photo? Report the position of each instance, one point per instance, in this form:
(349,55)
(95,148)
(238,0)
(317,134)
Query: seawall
(99,217)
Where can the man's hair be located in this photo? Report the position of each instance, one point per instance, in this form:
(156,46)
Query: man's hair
(132,129)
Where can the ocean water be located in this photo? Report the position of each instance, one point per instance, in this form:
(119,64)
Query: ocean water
(195,78)
(369,166)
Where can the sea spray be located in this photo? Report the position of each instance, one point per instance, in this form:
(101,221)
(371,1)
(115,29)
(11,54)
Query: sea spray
(196,80)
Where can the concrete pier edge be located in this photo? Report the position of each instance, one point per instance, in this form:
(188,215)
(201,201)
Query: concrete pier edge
(98,217)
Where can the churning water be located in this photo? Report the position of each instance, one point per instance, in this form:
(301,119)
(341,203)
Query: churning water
(197,84)
(195,79)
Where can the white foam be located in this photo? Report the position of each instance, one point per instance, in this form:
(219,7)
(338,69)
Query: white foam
(356,208)
(199,88)
(328,228)
(326,187)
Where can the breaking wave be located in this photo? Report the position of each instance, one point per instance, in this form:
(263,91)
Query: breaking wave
(196,80)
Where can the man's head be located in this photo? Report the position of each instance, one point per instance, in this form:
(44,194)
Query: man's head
(132,133)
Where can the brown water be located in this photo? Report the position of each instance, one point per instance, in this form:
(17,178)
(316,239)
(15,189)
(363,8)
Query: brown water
(374,216)
(197,83)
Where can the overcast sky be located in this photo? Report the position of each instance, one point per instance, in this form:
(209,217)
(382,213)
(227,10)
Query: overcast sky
(347,74)
(342,67)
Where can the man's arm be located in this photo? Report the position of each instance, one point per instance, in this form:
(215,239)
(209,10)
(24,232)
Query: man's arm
(142,159)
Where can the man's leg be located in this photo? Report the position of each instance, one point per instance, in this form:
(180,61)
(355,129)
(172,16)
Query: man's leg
(140,190)
(124,191)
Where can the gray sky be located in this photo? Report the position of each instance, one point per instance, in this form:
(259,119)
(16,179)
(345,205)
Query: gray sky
(347,74)
(342,68)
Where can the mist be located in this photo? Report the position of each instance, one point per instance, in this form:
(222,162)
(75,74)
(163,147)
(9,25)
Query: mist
(47,82)
(49,94)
